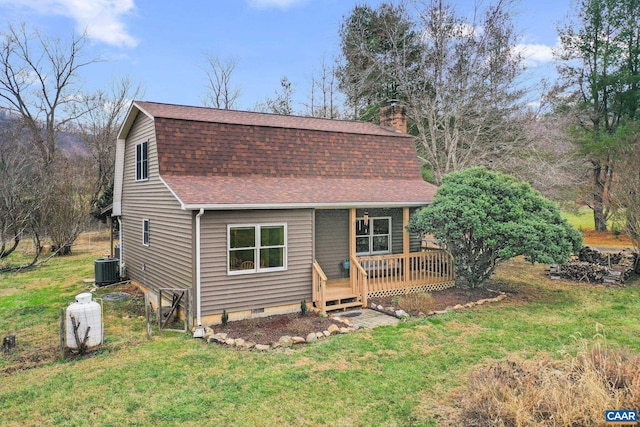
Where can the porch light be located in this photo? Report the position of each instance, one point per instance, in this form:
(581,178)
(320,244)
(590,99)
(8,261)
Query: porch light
(366,218)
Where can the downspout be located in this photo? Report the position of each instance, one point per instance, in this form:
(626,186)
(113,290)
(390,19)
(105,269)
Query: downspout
(199,331)
(121,262)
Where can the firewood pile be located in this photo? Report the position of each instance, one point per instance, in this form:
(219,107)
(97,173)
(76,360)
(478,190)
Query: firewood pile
(593,266)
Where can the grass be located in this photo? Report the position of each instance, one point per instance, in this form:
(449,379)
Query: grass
(582,219)
(390,376)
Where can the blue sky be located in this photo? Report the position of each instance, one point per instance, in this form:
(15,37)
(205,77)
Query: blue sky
(162,43)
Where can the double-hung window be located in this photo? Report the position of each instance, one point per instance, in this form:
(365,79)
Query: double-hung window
(142,161)
(145,232)
(257,248)
(373,237)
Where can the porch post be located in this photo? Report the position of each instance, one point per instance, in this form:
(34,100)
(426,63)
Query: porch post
(353,273)
(405,243)
(352,232)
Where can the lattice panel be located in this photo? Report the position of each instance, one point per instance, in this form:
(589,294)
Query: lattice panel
(431,287)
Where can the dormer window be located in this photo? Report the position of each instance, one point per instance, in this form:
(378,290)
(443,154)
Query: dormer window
(142,161)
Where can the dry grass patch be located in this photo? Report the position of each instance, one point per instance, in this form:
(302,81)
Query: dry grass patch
(416,302)
(546,392)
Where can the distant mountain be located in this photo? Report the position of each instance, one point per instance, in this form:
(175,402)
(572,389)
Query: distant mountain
(69,143)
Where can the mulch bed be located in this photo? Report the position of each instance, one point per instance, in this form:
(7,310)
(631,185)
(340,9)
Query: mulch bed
(266,330)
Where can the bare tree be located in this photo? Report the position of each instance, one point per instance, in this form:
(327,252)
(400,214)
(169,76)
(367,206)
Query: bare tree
(324,99)
(99,129)
(457,78)
(466,106)
(38,82)
(549,161)
(67,209)
(16,183)
(20,197)
(220,91)
(281,103)
(626,189)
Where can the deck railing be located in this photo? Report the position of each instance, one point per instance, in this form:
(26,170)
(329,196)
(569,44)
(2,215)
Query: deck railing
(359,281)
(319,282)
(391,274)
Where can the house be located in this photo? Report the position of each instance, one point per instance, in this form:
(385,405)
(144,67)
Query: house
(254,213)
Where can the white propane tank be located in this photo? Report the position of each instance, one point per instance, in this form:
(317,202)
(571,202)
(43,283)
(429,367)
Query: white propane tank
(89,314)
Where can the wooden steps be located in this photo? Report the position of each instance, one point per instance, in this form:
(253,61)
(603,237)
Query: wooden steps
(340,296)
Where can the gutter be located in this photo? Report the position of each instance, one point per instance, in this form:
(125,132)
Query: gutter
(199,330)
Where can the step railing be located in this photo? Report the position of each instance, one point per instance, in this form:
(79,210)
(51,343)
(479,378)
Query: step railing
(319,283)
(359,280)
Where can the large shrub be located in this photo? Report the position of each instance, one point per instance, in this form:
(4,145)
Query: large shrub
(483,217)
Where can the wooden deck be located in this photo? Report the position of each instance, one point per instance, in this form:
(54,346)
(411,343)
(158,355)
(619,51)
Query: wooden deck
(384,275)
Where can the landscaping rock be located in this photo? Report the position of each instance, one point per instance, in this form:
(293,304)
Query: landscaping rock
(238,342)
(298,340)
(249,345)
(401,313)
(285,341)
(326,333)
(262,347)
(312,337)
(345,330)
(333,329)
(319,335)
(230,341)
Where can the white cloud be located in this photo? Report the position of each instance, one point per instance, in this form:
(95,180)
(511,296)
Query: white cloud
(282,4)
(535,54)
(101,19)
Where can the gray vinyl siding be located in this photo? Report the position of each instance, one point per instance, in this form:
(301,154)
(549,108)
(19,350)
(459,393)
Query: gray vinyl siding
(415,240)
(168,260)
(396,225)
(255,290)
(332,240)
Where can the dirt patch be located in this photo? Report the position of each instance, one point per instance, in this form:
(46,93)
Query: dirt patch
(414,304)
(606,239)
(266,330)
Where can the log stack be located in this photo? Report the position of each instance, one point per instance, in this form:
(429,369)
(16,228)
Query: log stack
(594,266)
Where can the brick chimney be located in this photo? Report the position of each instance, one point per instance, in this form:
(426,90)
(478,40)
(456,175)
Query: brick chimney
(394,116)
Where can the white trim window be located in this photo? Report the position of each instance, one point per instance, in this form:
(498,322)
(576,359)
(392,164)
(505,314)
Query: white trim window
(142,161)
(373,238)
(256,248)
(145,232)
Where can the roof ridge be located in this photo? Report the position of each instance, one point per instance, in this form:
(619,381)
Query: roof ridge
(255,118)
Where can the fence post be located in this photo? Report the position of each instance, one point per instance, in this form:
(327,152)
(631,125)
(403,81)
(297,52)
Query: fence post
(62,333)
(147,312)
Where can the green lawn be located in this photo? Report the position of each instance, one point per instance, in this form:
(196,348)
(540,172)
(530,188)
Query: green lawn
(582,219)
(391,376)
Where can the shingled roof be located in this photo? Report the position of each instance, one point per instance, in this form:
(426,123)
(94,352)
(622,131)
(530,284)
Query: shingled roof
(235,159)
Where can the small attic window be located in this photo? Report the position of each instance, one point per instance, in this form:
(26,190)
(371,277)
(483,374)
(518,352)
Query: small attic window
(142,161)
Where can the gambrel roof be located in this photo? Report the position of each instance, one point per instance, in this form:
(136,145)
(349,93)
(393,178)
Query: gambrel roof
(223,159)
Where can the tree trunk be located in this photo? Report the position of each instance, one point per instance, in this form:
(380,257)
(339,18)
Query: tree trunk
(599,184)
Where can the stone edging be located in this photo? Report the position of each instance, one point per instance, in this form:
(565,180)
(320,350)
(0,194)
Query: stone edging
(401,314)
(285,341)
